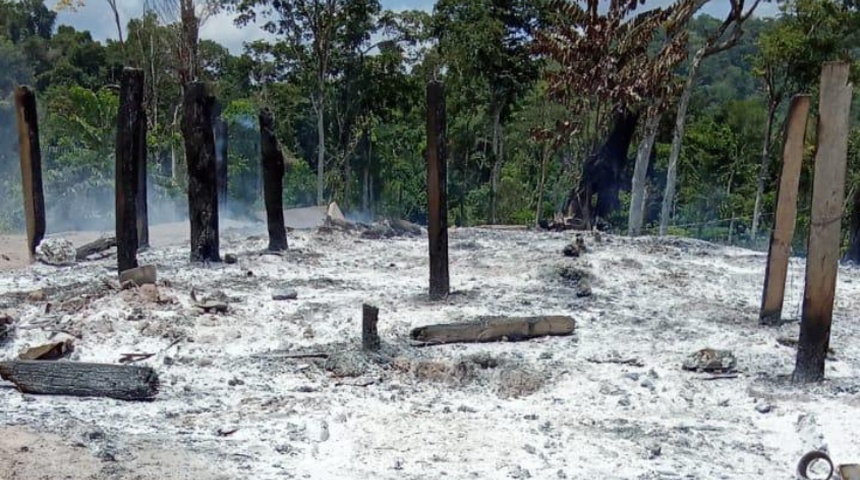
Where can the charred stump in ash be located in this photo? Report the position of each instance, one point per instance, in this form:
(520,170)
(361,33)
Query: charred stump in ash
(273,182)
(369,335)
(31,166)
(602,175)
(128,163)
(202,177)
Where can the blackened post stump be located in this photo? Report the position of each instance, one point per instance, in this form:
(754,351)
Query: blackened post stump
(128,150)
(202,176)
(369,335)
(437,195)
(31,166)
(273,182)
(828,193)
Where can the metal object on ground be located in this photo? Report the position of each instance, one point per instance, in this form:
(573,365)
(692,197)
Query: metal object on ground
(811,459)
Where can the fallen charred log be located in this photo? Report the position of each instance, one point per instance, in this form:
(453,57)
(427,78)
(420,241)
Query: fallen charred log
(494,329)
(122,382)
(98,246)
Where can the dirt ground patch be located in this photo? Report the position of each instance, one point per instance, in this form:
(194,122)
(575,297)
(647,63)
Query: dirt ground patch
(28,455)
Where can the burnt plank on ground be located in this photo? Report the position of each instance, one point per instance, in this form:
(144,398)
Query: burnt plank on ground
(79,379)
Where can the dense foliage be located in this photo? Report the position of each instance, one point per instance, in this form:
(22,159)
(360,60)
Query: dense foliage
(346,82)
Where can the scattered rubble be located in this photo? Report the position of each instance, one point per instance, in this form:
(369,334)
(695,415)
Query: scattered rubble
(49,351)
(576,248)
(56,251)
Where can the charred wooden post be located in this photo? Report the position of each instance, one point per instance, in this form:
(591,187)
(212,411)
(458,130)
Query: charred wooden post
(31,166)
(202,178)
(786,212)
(123,382)
(437,195)
(369,335)
(273,181)
(142,202)
(128,151)
(828,193)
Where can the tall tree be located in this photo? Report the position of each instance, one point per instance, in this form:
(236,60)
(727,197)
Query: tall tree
(490,41)
(602,72)
(312,34)
(723,38)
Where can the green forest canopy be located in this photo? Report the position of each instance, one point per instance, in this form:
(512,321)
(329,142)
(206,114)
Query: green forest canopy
(509,160)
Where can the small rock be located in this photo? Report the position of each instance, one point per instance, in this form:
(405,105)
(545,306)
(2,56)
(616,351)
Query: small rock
(324,433)
(764,408)
(654,451)
(466,409)
(235,381)
(710,360)
(398,464)
(632,376)
(584,289)
(647,383)
(624,401)
(519,472)
(561,474)
(230,258)
(570,250)
(529,449)
(37,296)
(287,294)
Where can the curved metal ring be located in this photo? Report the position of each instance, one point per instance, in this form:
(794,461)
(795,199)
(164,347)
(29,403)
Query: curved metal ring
(806,461)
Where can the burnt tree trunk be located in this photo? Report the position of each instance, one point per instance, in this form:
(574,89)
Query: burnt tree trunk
(273,182)
(31,166)
(603,173)
(128,150)
(437,201)
(202,178)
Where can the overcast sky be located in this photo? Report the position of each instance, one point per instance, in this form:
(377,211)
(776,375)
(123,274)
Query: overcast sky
(97,18)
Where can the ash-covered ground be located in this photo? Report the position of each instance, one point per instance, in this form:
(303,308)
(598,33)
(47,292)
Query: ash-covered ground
(610,402)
